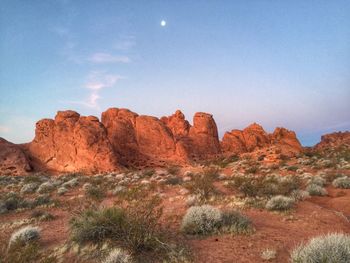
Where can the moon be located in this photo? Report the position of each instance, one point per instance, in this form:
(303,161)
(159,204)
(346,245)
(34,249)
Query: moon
(163,23)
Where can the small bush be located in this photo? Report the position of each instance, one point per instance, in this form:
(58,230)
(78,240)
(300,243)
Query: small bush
(234,222)
(29,188)
(201,220)
(331,248)
(292,168)
(280,203)
(174,180)
(316,190)
(135,227)
(202,185)
(42,215)
(118,255)
(318,180)
(95,193)
(342,182)
(268,254)
(174,170)
(46,187)
(25,235)
(299,195)
(62,190)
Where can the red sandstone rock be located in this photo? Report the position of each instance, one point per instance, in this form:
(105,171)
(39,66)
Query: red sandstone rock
(333,140)
(72,143)
(13,161)
(254,138)
(177,124)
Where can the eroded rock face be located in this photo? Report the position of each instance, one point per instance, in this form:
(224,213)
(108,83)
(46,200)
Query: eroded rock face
(333,140)
(13,160)
(72,143)
(254,138)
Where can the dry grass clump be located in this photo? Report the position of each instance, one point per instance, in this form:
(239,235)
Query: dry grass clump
(328,249)
(280,203)
(118,255)
(25,235)
(202,185)
(316,190)
(135,227)
(265,186)
(204,220)
(342,182)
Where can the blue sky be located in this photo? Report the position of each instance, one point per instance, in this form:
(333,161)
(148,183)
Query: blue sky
(277,63)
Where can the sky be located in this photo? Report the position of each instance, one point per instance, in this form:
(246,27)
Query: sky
(277,63)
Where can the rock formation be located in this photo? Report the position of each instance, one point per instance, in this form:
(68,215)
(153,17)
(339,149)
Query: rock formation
(72,142)
(333,140)
(12,159)
(254,138)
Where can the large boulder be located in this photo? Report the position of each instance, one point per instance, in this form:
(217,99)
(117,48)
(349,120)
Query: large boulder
(286,141)
(13,160)
(72,143)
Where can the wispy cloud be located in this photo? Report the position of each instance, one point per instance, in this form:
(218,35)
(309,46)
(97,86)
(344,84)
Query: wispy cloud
(125,43)
(101,57)
(96,81)
(4,129)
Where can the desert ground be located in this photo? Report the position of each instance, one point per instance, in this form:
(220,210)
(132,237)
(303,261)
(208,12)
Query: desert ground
(314,188)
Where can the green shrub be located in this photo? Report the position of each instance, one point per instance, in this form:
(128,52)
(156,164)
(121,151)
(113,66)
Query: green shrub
(46,187)
(173,180)
(280,203)
(316,190)
(331,248)
(292,168)
(342,182)
(299,195)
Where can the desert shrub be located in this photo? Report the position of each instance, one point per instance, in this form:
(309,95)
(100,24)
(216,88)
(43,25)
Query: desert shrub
(71,183)
(316,190)
(174,169)
(318,180)
(42,215)
(265,186)
(292,168)
(148,173)
(33,179)
(20,252)
(331,248)
(268,254)
(173,180)
(280,203)
(234,222)
(201,220)
(225,161)
(342,182)
(62,190)
(25,235)
(29,188)
(41,200)
(252,169)
(135,227)
(118,255)
(96,225)
(299,195)
(202,185)
(95,193)
(46,187)
(12,201)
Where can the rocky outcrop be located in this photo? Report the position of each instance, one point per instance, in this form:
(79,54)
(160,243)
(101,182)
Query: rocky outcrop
(333,141)
(13,161)
(255,138)
(72,143)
